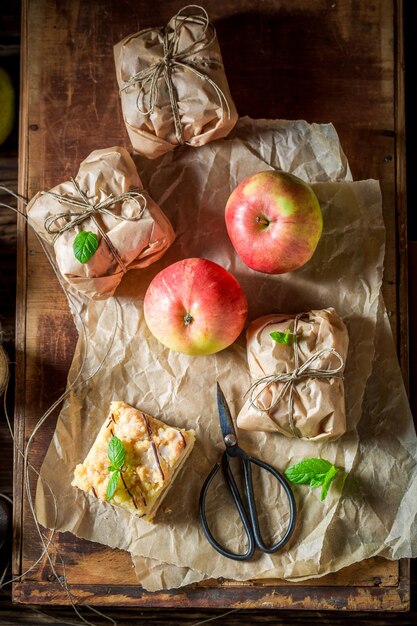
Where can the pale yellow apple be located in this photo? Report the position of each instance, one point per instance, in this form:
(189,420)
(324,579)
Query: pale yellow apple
(6,105)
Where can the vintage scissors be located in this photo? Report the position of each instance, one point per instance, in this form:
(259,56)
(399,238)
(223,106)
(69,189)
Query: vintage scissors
(247,511)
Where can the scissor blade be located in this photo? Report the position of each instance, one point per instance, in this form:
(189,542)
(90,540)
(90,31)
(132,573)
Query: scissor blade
(226,422)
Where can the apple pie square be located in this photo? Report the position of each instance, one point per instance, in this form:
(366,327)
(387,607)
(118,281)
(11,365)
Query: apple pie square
(134,460)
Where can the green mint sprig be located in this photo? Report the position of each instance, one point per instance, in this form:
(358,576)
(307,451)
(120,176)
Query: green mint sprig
(286,338)
(117,455)
(84,246)
(313,472)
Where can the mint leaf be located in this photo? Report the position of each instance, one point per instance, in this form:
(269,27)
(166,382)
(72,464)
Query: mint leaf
(328,480)
(317,481)
(116,452)
(117,455)
(287,338)
(308,469)
(313,472)
(112,485)
(84,246)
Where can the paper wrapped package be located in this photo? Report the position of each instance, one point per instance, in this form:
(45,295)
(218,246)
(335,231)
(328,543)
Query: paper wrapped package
(106,198)
(296,364)
(173,86)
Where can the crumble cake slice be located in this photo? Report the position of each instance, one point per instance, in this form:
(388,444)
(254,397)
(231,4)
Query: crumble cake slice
(155,452)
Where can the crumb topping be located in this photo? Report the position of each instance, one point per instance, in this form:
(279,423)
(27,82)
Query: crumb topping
(153,452)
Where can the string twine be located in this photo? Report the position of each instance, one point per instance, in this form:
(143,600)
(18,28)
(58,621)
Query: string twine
(148,79)
(78,381)
(87,210)
(289,380)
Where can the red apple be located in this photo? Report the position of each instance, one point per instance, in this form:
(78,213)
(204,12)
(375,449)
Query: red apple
(274,222)
(195,306)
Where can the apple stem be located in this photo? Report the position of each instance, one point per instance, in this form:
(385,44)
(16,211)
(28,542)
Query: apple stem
(188,319)
(262,220)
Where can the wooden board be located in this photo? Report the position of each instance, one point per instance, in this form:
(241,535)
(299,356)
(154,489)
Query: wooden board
(313,59)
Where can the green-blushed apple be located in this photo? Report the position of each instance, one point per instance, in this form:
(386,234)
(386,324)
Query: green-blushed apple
(274,221)
(195,306)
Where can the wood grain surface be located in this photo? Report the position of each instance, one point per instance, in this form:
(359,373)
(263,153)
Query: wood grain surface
(313,59)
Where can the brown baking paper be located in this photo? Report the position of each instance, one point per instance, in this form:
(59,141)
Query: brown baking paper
(183,57)
(376,515)
(193,189)
(140,239)
(312,406)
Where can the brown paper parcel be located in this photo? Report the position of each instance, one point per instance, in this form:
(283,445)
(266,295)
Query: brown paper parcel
(181,389)
(173,87)
(135,226)
(307,402)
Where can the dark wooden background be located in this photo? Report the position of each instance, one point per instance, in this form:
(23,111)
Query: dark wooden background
(9,58)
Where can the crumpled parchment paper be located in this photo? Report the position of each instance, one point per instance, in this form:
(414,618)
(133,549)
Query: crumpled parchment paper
(345,272)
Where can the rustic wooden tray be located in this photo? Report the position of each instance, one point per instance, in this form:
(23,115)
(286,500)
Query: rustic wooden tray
(321,61)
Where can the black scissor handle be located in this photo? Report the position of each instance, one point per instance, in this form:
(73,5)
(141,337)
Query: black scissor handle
(251,523)
(247,460)
(240,507)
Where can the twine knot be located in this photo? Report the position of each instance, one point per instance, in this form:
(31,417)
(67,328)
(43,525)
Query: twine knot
(87,210)
(148,79)
(290,379)
(167,60)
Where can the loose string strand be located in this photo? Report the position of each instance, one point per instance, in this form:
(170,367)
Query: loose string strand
(3,576)
(71,595)
(72,387)
(47,542)
(22,454)
(16,195)
(3,495)
(25,453)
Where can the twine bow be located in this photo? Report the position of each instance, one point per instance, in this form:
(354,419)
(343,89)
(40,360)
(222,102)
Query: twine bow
(290,379)
(90,211)
(173,59)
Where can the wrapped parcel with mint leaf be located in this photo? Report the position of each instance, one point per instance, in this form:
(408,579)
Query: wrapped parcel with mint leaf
(172,85)
(101,224)
(296,364)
